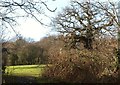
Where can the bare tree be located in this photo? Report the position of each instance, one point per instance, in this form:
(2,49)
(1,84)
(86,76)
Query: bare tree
(114,12)
(11,10)
(83,21)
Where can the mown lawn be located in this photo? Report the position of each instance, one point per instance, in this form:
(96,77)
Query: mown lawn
(21,72)
(25,70)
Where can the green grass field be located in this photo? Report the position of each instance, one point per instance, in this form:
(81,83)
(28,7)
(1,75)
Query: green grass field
(29,71)
(25,70)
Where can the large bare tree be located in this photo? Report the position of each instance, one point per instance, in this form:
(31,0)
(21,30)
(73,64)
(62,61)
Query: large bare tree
(84,21)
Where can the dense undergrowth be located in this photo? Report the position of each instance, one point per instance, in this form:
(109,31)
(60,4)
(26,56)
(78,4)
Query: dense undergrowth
(85,66)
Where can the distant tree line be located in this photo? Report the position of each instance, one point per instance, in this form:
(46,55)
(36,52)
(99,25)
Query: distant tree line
(22,52)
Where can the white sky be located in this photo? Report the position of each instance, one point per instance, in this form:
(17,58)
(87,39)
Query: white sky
(30,28)
(33,29)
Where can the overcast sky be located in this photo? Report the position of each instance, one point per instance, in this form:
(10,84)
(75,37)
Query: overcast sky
(31,28)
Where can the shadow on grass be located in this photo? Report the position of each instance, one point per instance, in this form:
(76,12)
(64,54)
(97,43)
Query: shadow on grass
(10,79)
(17,79)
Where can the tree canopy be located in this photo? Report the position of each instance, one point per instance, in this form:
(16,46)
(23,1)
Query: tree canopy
(85,21)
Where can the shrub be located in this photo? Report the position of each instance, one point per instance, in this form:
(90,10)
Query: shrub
(83,66)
